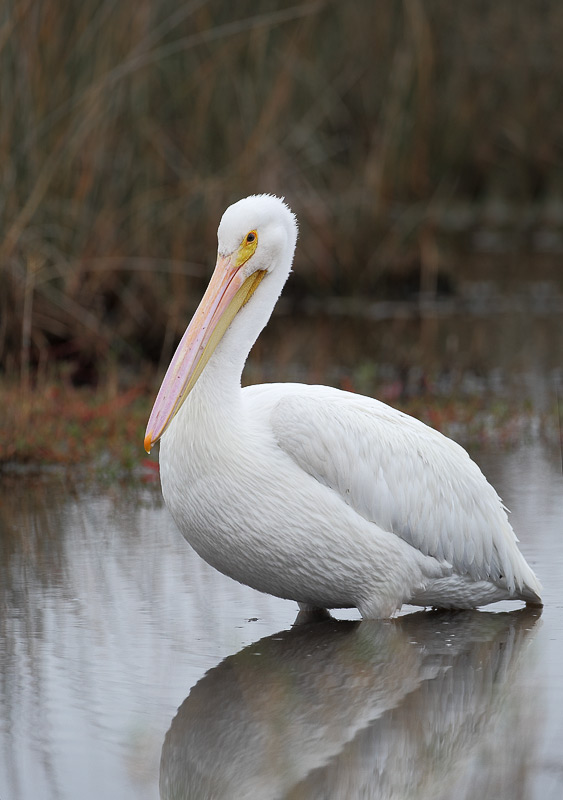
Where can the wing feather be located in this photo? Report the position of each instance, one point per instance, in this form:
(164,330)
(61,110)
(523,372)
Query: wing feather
(402,475)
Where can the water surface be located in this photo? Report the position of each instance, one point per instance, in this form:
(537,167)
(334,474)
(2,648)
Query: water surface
(127,664)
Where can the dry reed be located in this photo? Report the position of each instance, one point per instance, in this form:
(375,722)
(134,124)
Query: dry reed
(394,129)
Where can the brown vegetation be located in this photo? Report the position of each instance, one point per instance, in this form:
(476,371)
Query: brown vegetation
(61,424)
(396,130)
(127,127)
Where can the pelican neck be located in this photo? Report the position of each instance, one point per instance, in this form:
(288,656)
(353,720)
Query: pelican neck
(220,380)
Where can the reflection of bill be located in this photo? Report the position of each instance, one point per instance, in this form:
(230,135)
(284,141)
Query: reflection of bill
(401,708)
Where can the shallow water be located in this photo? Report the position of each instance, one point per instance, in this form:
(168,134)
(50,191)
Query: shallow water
(126,663)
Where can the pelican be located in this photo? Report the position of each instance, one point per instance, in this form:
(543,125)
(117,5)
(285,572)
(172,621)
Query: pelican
(310,493)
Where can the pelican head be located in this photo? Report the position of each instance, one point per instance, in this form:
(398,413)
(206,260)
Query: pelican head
(256,241)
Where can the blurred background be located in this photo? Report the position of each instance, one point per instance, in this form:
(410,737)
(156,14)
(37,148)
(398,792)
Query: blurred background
(420,143)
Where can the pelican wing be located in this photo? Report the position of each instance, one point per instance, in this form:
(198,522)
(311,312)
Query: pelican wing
(404,476)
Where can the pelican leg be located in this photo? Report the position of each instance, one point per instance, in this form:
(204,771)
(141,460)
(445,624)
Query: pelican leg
(308,614)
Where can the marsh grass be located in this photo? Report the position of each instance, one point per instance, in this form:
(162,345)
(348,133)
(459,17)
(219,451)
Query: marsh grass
(102,431)
(398,131)
(394,129)
(66,425)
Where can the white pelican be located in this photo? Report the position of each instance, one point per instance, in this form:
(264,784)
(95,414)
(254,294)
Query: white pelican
(310,493)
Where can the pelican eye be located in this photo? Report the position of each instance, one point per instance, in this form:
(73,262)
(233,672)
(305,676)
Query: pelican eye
(247,248)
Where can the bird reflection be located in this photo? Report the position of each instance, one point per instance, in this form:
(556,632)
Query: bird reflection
(371,709)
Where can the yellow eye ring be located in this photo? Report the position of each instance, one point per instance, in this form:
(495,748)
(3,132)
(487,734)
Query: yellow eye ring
(247,248)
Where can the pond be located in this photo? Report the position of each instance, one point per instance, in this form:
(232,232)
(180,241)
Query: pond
(129,669)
